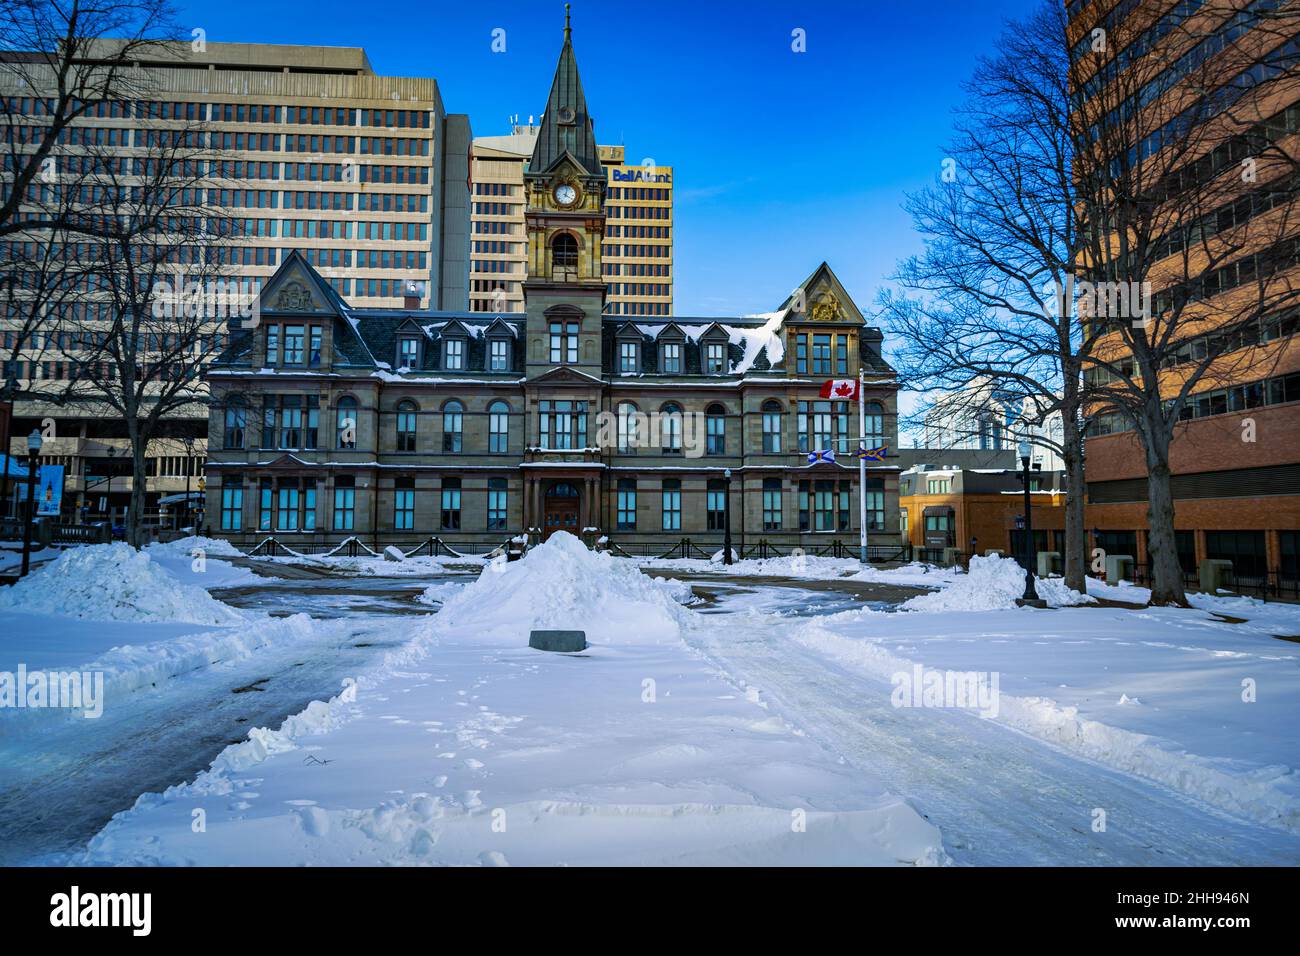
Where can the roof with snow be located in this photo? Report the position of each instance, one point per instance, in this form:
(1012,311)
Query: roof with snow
(367,338)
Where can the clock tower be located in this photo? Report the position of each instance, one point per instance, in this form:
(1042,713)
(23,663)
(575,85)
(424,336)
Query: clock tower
(564,186)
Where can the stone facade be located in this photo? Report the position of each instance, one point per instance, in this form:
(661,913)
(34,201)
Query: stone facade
(398,425)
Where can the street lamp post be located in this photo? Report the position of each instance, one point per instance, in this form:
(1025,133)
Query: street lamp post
(726,516)
(33,450)
(1030,597)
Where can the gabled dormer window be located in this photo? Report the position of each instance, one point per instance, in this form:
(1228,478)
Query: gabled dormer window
(715,358)
(629,357)
(408,352)
(498,354)
(670,357)
(453,354)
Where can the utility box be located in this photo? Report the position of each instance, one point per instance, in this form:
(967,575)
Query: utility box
(565,642)
(1119,567)
(1214,574)
(1049,563)
(951,557)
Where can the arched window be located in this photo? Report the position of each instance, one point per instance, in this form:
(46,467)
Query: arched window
(629,427)
(564,251)
(670,429)
(346,422)
(715,430)
(406,410)
(498,427)
(453,423)
(875,436)
(771,427)
(236,421)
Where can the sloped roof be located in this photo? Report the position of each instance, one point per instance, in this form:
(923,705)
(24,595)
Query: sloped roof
(561,133)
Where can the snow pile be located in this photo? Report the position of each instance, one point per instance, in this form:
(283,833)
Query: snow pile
(992,584)
(113,582)
(185,547)
(562,584)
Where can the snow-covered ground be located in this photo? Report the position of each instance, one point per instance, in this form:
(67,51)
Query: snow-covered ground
(734,730)
(468,747)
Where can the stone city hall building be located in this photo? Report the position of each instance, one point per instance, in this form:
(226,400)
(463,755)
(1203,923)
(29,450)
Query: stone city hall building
(401,425)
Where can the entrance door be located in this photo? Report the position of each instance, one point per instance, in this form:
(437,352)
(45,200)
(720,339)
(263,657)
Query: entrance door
(560,510)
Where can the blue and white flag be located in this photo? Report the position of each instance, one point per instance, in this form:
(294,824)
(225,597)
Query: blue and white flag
(826,456)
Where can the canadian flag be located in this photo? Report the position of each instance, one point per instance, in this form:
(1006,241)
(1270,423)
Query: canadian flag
(844,388)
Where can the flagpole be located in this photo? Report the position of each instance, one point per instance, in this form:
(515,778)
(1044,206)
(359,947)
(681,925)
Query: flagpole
(862,463)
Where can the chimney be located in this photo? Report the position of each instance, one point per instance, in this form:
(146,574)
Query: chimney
(411,303)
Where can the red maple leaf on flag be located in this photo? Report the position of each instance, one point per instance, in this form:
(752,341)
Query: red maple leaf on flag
(844,388)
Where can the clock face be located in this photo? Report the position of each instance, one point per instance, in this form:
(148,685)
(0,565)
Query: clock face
(566,195)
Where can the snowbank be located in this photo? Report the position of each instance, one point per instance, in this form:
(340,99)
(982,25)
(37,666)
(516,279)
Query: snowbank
(113,582)
(992,583)
(564,584)
(1160,694)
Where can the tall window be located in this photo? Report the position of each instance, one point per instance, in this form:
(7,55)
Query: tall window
(771,428)
(453,354)
(345,425)
(563,424)
(272,345)
(824,505)
(498,355)
(232,502)
(629,427)
(821,355)
(408,352)
(875,515)
(294,344)
(265,504)
(822,425)
(564,343)
(875,436)
(716,504)
(672,504)
(406,415)
(450,504)
(715,357)
(715,428)
(453,423)
(670,358)
(287,518)
(564,251)
(345,502)
(670,429)
(627,504)
(404,504)
(236,421)
(498,427)
(289,421)
(496,509)
(629,358)
(772,504)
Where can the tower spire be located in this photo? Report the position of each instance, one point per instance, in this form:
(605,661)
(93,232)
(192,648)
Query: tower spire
(566,127)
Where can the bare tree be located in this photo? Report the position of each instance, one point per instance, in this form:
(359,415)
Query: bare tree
(162,299)
(1188,186)
(987,304)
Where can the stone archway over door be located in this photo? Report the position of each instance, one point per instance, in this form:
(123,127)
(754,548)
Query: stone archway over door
(561,509)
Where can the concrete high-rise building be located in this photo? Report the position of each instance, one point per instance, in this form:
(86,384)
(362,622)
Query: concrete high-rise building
(366,176)
(638,238)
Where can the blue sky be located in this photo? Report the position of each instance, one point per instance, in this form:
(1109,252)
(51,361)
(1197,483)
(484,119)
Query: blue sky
(781,159)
